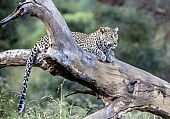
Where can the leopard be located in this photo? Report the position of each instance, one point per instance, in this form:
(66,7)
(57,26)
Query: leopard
(100,43)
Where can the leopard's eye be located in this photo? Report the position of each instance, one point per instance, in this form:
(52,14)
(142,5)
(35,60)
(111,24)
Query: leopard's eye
(115,35)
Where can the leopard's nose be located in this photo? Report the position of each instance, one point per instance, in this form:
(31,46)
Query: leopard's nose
(115,44)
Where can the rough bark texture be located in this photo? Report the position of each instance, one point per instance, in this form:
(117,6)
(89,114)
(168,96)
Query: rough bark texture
(122,87)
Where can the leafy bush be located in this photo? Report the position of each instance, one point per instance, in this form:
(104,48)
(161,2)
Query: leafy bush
(73,6)
(45,107)
(8,34)
(80,21)
(7,100)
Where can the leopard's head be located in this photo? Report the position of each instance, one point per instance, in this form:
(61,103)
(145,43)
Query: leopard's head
(109,37)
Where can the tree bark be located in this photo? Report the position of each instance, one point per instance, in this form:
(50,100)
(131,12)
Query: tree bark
(122,87)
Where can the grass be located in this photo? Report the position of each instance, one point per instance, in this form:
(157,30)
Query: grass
(48,106)
(45,108)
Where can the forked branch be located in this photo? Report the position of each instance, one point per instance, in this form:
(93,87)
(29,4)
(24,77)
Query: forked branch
(81,91)
(19,11)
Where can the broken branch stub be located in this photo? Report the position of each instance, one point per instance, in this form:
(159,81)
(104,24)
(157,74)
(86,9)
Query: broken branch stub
(122,87)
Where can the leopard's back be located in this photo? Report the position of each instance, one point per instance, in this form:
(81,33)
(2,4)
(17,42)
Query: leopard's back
(84,41)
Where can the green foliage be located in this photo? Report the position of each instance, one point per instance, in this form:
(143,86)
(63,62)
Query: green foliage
(45,107)
(53,109)
(52,87)
(136,36)
(30,30)
(72,6)
(42,84)
(8,34)
(80,21)
(7,103)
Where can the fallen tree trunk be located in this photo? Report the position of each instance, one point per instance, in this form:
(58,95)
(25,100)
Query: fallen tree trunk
(122,87)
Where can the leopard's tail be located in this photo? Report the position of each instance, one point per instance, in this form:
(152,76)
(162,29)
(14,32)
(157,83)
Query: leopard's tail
(30,61)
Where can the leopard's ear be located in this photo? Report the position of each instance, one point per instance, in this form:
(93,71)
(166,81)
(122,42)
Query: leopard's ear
(104,29)
(116,29)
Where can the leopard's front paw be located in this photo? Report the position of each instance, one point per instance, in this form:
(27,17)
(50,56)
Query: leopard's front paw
(102,58)
(110,58)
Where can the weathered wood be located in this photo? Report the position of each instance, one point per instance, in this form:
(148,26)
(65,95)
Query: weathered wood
(122,87)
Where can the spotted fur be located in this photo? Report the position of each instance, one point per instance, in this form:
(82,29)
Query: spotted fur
(99,43)
(40,46)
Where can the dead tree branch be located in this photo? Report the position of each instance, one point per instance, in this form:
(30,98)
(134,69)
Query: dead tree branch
(122,87)
(81,91)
